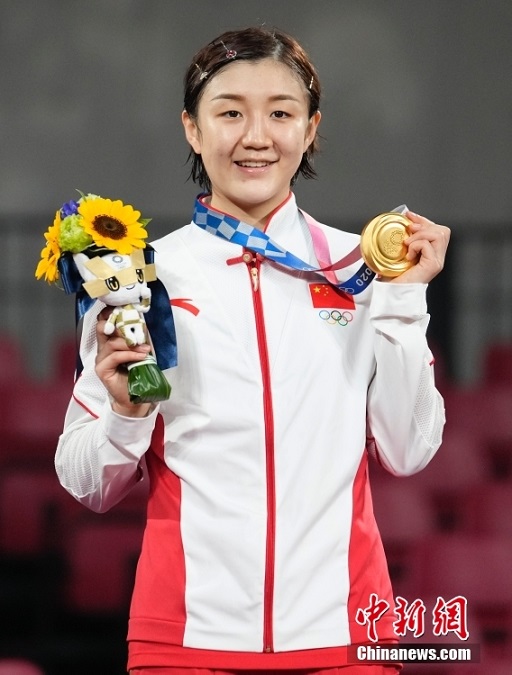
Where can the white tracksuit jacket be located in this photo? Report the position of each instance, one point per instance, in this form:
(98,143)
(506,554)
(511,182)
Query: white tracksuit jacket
(261,542)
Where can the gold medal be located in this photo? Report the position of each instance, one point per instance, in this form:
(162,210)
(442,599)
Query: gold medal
(382,244)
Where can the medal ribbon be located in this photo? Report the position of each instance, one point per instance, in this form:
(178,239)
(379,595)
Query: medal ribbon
(236,231)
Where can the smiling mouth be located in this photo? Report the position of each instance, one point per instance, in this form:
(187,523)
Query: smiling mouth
(254,165)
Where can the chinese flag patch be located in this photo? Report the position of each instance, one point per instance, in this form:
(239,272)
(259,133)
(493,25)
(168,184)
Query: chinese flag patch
(326,296)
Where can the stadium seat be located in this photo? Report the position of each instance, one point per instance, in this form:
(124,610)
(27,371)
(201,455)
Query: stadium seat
(33,506)
(100,556)
(12,362)
(497,363)
(487,508)
(34,420)
(474,566)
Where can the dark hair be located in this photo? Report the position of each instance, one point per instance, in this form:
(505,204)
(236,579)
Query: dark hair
(249,44)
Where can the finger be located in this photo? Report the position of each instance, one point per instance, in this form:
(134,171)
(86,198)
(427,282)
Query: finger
(113,360)
(416,219)
(437,235)
(426,255)
(416,248)
(114,350)
(117,345)
(102,319)
(105,312)
(422,224)
(111,364)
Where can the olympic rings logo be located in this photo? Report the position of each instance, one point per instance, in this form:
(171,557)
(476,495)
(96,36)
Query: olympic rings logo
(334,316)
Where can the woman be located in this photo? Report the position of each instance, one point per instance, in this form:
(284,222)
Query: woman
(261,548)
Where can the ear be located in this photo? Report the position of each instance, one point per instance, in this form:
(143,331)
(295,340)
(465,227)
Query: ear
(312,129)
(80,260)
(192,132)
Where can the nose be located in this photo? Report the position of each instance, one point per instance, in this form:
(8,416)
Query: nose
(256,133)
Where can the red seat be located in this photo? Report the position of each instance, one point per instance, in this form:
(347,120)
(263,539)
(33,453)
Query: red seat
(475,566)
(33,420)
(483,409)
(33,506)
(493,667)
(13,379)
(497,406)
(12,362)
(464,409)
(101,554)
(487,509)
(64,355)
(497,363)
(459,463)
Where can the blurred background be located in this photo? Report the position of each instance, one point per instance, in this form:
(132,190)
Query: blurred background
(417,109)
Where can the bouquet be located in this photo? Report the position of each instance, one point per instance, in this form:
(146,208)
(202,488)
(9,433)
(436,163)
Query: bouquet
(96,248)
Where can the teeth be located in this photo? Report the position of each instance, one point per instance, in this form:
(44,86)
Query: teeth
(253,165)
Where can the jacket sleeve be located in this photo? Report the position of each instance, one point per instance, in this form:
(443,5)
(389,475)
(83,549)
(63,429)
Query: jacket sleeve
(99,452)
(405,411)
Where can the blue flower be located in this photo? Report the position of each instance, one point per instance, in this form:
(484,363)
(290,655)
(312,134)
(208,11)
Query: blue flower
(69,209)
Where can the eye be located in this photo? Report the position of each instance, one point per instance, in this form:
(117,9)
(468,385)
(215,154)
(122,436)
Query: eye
(280,114)
(232,114)
(112,284)
(140,276)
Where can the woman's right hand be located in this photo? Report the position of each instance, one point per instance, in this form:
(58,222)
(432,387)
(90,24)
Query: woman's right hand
(113,354)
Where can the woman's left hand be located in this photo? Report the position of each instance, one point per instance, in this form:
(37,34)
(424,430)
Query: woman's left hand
(426,246)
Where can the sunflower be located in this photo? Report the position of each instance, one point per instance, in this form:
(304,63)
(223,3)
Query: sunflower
(112,224)
(51,253)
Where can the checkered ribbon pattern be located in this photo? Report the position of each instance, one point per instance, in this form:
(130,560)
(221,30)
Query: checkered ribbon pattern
(236,231)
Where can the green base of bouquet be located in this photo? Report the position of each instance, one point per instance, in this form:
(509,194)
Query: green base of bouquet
(147,383)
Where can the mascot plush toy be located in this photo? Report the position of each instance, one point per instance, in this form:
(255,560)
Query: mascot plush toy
(95,248)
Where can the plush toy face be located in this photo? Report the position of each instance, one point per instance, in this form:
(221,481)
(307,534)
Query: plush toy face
(116,279)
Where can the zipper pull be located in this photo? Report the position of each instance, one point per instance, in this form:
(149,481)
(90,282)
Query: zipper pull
(252,262)
(255,278)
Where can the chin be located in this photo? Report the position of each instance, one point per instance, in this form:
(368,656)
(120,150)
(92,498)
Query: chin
(260,195)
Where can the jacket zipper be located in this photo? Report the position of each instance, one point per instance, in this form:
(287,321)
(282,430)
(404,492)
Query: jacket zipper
(253,265)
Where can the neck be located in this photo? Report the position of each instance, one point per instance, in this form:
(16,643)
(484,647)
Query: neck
(259,217)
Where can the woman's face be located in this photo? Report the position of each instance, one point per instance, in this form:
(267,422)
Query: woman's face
(251,131)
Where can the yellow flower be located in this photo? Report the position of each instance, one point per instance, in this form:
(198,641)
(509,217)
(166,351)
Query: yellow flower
(51,253)
(112,224)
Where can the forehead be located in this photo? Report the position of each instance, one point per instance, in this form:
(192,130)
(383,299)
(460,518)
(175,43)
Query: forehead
(249,79)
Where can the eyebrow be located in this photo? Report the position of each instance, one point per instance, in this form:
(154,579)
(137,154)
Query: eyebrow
(238,97)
